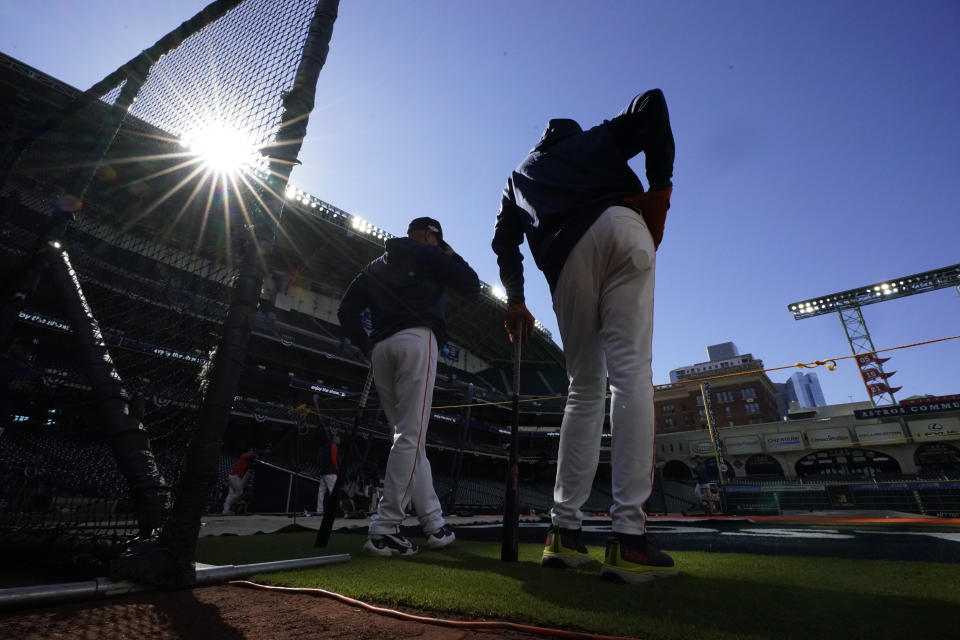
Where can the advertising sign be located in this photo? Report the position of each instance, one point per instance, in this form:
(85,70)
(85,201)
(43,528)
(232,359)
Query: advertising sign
(701,448)
(789,441)
(884,433)
(935,429)
(742,445)
(908,410)
(827,438)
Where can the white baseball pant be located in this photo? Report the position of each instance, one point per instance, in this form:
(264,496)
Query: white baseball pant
(326,486)
(604,305)
(234,492)
(404,368)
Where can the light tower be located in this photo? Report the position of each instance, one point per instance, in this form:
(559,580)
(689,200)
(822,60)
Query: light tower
(847,305)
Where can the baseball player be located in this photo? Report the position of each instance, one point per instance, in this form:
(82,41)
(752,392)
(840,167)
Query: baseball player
(593,231)
(404,291)
(329,468)
(236,481)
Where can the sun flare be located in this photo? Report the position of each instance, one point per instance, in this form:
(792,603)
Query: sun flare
(221,148)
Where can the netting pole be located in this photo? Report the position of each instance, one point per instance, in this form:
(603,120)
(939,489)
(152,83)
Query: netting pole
(168,562)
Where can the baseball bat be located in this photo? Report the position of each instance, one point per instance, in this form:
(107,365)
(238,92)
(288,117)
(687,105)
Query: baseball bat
(511,506)
(330,501)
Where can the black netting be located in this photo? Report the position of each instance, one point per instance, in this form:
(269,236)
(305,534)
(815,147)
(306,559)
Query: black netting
(167,186)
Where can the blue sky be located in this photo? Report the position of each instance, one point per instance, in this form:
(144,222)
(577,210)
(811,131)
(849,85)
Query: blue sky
(817,145)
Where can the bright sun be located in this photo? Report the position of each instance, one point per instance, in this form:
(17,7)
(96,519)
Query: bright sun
(221,148)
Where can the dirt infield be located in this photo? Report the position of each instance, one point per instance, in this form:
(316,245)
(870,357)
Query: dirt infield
(224,612)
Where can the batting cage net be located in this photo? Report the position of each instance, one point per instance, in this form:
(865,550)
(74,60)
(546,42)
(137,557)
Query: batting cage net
(138,218)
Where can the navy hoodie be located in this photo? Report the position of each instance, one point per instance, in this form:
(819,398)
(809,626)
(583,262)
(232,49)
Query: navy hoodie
(570,177)
(404,288)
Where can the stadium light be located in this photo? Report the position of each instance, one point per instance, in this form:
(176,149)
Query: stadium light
(498,293)
(847,306)
(878,292)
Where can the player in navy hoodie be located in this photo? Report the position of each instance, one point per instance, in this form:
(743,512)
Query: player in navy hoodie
(593,230)
(404,291)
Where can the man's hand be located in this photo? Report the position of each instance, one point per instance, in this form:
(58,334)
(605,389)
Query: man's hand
(653,205)
(518,314)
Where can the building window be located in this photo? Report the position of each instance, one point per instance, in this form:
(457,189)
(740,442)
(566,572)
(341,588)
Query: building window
(725,396)
(748,393)
(666,408)
(751,407)
(730,423)
(669,422)
(699,401)
(728,411)
(703,414)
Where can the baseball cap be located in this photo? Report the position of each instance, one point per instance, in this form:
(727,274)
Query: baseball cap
(427,224)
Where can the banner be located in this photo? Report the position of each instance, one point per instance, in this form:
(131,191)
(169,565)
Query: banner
(935,428)
(701,448)
(907,410)
(883,433)
(791,441)
(872,373)
(930,399)
(828,438)
(865,359)
(880,388)
(741,445)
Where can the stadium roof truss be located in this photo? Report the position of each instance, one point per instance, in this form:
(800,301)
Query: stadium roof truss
(847,305)
(878,292)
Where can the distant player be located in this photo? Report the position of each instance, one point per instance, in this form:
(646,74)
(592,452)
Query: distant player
(239,476)
(329,467)
(593,231)
(404,290)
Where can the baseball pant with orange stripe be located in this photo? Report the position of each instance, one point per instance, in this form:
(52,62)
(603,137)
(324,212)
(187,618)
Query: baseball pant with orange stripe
(405,368)
(604,306)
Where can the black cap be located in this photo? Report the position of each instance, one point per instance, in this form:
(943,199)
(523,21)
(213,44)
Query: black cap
(427,224)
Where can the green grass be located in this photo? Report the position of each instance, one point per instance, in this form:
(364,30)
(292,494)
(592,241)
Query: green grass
(720,596)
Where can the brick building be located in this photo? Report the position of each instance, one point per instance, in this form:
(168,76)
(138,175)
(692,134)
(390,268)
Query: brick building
(750,398)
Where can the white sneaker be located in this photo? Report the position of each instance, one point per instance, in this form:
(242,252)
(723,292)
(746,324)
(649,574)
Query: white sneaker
(440,538)
(389,544)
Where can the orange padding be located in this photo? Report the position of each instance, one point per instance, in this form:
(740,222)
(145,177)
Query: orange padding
(460,624)
(930,521)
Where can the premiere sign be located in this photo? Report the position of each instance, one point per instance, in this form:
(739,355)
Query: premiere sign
(828,438)
(790,441)
(935,429)
(907,410)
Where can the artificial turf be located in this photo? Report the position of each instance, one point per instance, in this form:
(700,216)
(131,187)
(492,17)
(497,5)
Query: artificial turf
(716,595)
